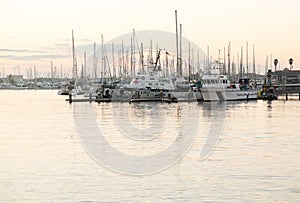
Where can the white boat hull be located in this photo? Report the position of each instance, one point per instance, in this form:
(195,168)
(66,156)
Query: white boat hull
(228,95)
(187,95)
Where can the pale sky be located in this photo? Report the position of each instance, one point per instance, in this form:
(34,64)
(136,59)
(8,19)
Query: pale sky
(34,32)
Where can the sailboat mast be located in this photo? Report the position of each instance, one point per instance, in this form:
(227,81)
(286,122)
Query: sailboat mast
(241,63)
(119,64)
(95,62)
(229,47)
(267,64)
(102,57)
(198,63)
(208,58)
(180,48)
(247,64)
(123,60)
(177,65)
(254,71)
(224,64)
(189,62)
(142,59)
(167,65)
(151,55)
(133,52)
(131,57)
(237,69)
(84,74)
(113,60)
(74,58)
(193,64)
(232,67)
(51,71)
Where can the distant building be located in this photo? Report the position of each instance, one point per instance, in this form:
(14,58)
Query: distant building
(286,76)
(17,78)
(12,79)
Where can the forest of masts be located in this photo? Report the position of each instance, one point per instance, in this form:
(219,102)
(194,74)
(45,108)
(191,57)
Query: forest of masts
(127,61)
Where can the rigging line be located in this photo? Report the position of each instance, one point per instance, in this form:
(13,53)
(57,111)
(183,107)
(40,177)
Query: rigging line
(137,43)
(106,58)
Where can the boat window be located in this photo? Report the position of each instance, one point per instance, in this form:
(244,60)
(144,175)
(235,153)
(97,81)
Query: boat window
(149,83)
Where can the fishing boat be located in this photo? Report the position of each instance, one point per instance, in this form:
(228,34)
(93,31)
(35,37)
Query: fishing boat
(150,80)
(216,87)
(65,89)
(148,95)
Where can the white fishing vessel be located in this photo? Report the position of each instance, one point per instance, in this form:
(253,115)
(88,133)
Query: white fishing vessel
(216,87)
(154,81)
(65,89)
(150,80)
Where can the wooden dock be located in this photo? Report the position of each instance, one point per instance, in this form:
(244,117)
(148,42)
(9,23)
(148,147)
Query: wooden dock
(284,82)
(99,100)
(282,90)
(80,100)
(288,89)
(89,99)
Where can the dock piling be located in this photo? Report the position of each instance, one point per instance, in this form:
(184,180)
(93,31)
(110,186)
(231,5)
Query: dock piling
(90,97)
(70,98)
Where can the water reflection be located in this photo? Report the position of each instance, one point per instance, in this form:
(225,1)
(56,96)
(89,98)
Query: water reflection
(269,105)
(137,139)
(216,112)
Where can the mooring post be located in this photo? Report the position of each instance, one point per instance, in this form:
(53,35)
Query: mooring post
(70,98)
(286,96)
(90,95)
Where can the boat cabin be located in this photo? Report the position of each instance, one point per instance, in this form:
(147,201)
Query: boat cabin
(215,80)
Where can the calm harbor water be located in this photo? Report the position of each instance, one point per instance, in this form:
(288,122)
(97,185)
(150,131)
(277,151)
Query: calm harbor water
(241,152)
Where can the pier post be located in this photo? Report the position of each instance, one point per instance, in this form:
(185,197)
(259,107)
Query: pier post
(90,97)
(286,96)
(70,98)
(299,95)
